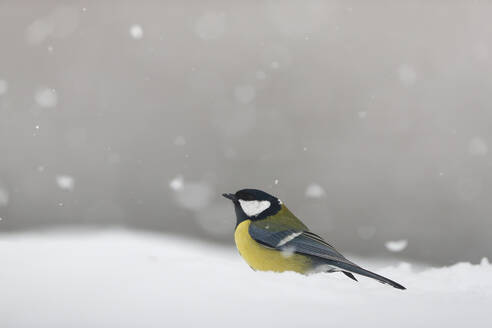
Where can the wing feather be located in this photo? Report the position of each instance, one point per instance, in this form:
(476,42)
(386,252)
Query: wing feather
(304,242)
(278,236)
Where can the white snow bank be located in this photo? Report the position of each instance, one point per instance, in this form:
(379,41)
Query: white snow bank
(122,279)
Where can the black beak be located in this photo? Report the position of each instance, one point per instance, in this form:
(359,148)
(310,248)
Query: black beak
(230,196)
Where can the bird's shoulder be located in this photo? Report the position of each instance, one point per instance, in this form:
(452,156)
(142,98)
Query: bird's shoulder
(284,229)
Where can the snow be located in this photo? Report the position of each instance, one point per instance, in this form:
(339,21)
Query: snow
(177,183)
(4,87)
(314,190)
(38,31)
(59,23)
(46,97)
(396,245)
(123,279)
(65,182)
(288,251)
(192,195)
(136,32)
(195,196)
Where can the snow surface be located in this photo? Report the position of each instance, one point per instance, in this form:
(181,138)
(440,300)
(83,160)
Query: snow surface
(123,279)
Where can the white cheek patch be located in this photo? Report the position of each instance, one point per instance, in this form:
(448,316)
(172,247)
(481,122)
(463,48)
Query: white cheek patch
(254,207)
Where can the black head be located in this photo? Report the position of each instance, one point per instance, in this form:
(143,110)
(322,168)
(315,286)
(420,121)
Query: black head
(253,204)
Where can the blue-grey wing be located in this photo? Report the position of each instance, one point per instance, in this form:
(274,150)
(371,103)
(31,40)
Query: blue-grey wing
(302,242)
(308,243)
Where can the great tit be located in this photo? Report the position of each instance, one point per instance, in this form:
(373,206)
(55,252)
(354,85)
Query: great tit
(270,238)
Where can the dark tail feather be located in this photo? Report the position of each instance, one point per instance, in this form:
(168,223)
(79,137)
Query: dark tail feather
(364,272)
(348,274)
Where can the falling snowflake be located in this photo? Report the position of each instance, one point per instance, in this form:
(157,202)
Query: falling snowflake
(314,190)
(194,195)
(136,31)
(397,245)
(65,182)
(288,251)
(46,97)
(177,183)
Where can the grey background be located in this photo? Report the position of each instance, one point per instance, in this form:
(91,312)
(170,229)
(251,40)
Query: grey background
(384,105)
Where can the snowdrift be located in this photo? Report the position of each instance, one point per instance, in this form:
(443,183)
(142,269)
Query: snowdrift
(124,279)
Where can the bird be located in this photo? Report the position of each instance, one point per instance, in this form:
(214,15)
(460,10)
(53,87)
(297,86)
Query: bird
(270,237)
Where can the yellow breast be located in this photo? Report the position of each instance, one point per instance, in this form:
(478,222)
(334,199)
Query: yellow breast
(262,258)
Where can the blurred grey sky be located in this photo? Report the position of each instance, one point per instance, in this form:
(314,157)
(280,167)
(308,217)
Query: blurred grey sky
(371,121)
